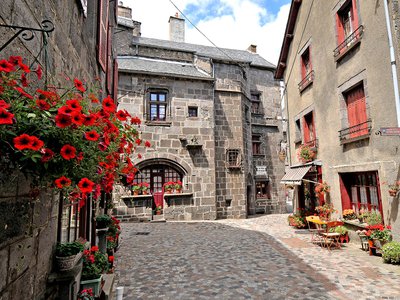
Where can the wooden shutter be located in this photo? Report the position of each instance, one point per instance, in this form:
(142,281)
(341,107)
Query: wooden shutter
(346,200)
(306,131)
(339,29)
(303,68)
(357,112)
(110,69)
(102,34)
(354,14)
(115,82)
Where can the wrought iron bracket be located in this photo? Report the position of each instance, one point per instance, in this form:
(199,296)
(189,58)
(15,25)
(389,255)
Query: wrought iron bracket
(28,33)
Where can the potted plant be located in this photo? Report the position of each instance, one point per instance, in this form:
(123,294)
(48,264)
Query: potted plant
(378,235)
(321,188)
(136,188)
(114,230)
(158,210)
(325,211)
(94,265)
(144,187)
(86,294)
(305,154)
(169,186)
(394,188)
(344,233)
(178,187)
(68,254)
(348,214)
(103,221)
(391,253)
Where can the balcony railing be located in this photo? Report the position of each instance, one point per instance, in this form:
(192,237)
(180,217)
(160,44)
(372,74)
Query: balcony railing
(312,144)
(306,81)
(356,132)
(352,40)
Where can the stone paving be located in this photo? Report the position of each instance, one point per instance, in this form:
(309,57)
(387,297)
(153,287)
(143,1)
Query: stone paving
(257,258)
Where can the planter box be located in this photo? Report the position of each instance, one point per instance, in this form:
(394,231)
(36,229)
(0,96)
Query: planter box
(93,284)
(67,263)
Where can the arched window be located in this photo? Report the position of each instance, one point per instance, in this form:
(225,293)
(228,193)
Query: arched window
(156,175)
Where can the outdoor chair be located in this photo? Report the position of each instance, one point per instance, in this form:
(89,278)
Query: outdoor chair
(315,232)
(331,239)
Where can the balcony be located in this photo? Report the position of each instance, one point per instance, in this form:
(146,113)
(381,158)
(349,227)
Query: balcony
(312,144)
(307,81)
(349,43)
(355,133)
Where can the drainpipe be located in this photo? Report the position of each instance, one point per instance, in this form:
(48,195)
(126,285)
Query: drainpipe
(393,62)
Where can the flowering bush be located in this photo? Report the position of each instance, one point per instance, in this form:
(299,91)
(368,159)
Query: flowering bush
(63,136)
(136,187)
(169,185)
(86,294)
(144,186)
(325,211)
(379,232)
(178,185)
(321,188)
(305,154)
(114,230)
(391,253)
(348,214)
(94,263)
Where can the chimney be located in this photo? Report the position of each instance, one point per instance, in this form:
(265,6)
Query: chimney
(252,48)
(176,28)
(124,11)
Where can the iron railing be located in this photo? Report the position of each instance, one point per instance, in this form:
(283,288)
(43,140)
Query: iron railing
(356,131)
(349,42)
(312,144)
(306,81)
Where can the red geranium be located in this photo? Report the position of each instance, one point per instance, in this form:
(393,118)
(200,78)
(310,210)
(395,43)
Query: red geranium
(62,182)
(89,120)
(121,115)
(5,117)
(68,152)
(77,118)
(74,104)
(79,85)
(66,110)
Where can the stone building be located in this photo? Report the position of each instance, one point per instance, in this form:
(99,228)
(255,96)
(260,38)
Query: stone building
(32,223)
(213,116)
(342,95)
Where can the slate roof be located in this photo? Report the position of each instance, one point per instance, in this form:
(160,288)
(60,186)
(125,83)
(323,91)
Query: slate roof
(207,51)
(166,68)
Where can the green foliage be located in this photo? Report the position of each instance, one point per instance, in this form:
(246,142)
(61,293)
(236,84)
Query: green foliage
(68,249)
(103,221)
(391,253)
(341,229)
(372,217)
(94,263)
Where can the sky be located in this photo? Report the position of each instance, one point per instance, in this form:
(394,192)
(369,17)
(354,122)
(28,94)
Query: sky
(234,24)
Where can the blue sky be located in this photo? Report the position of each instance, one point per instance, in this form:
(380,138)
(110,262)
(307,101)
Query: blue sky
(231,24)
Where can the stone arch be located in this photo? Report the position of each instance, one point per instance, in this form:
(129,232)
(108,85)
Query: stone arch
(169,159)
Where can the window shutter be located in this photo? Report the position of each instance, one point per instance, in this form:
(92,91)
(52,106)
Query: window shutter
(357,112)
(354,15)
(110,70)
(340,29)
(102,34)
(306,131)
(346,201)
(115,81)
(303,68)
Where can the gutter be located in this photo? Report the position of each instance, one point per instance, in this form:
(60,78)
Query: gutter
(393,63)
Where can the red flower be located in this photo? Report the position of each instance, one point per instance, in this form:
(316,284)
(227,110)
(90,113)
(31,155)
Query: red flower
(5,117)
(121,115)
(23,141)
(74,104)
(36,144)
(136,121)
(89,120)
(24,81)
(65,110)
(38,72)
(42,104)
(79,157)
(62,182)
(23,67)
(4,104)
(48,154)
(79,85)
(109,105)
(94,248)
(23,93)
(14,60)
(68,152)
(92,135)
(63,120)
(111,259)
(5,66)
(138,141)
(147,144)
(93,98)
(139,156)
(77,118)
(85,185)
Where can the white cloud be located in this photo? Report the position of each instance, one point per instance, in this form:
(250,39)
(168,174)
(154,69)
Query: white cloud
(237,30)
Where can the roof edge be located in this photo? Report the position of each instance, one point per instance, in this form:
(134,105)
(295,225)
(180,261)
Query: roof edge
(287,39)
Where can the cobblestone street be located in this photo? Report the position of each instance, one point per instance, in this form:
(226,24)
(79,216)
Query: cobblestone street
(257,258)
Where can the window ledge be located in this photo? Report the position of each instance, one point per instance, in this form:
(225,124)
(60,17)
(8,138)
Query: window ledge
(253,114)
(158,123)
(339,57)
(355,139)
(258,155)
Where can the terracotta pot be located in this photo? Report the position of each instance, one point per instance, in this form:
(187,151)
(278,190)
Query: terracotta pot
(135,193)
(158,212)
(178,191)
(145,192)
(392,193)
(168,191)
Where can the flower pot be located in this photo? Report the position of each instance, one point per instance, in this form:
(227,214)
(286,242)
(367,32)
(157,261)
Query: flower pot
(135,193)
(178,191)
(168,191)
(378,243)
(67,263)
(344,238)
(145,192)
(158,212)
(392,193)
(93,284)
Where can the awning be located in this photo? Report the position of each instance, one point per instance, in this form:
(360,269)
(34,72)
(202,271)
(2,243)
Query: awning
(295,175)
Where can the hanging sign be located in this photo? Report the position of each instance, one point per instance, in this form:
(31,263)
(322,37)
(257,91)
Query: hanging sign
(261,170)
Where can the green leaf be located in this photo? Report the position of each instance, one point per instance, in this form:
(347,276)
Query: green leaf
(31,115)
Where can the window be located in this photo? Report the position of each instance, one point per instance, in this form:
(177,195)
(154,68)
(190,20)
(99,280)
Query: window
(69,222)
(309,130)
(347,27)
(157,175)
(192,111)
(305,63)
(157,106)
(262,190)
(255,103)
(233,158)
(360,191)
(297,132)
(256,141)
(356,112)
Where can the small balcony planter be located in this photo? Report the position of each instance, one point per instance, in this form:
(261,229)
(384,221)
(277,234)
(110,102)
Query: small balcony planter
(68,255)
(94,284)
(103,221)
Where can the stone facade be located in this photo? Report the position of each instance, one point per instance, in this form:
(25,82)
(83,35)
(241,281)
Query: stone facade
(365,61)
(219,90)
(29,222)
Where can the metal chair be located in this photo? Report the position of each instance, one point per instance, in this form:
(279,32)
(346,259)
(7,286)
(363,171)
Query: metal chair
(331,238)
(315,232)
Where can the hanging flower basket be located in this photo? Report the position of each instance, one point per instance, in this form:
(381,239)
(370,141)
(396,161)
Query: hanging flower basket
(305,154)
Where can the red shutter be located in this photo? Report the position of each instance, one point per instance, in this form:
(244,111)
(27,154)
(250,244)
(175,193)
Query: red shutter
(313,125)
(339,29)
(109,61)
(306,131)
(309,58)
(354,15)
(357,111)
(346,201)
(102,34)
(115,88)
(303,68)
